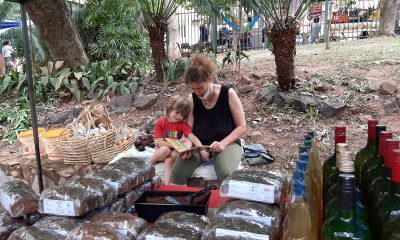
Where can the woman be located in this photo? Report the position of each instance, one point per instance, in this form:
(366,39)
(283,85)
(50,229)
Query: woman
(217,118)
(6,51)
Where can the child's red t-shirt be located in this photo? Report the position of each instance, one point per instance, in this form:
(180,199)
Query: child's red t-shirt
(165,129)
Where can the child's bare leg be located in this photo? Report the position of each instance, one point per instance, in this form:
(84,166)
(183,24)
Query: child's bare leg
(160,154)
(169,163)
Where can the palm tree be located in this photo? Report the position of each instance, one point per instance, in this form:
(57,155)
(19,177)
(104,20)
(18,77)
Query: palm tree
(156,14)
(281,30)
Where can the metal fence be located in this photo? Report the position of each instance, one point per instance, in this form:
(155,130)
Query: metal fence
(348,20)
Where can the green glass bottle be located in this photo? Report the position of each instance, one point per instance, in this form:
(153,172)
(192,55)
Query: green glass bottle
(344,225)
(381,174)
(330,164)
(370,161)
(342,154)
(374,162)
(331,209)
(368,151)
(389,212)
(331,174)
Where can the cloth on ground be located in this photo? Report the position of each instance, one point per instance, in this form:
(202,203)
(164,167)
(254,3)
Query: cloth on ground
(256,154)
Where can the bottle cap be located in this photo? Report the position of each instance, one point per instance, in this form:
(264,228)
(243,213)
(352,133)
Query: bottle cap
(340,134)
(372,128)
(340,129)
(303,148)
(391,144)
(304,156)
(396,166)
(382,142)
(311,133)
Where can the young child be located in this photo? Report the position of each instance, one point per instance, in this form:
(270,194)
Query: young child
(174,126)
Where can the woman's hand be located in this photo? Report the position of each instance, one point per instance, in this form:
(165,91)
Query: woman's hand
(205,156)
(217,146)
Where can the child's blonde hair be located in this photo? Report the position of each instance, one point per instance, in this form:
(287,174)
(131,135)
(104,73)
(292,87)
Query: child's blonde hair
(180,105)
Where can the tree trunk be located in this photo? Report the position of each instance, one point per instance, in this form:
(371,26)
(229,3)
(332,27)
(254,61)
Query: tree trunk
(387,21)
(284,48)
(156,35)
(173,38)
(55,25)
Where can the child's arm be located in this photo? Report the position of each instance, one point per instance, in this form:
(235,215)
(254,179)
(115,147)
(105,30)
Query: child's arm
(161,142)
(194,140)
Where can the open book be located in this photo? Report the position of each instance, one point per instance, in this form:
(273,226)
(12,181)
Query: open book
(180,147)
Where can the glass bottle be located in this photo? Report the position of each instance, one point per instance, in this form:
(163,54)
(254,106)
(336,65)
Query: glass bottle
(346,167)
(368,162)
(367,171)
(368,151)
(344,225)
(298,224)
(381,174)
(330,164)
(389,212)
(340,147)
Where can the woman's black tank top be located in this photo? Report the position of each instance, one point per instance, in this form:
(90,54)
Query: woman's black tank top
(213,124)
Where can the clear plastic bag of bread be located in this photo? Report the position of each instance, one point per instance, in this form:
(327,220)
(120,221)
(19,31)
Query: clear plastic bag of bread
(118,179)
(8,224)
(18,199)
(90,231)
(104,192)
(83,201)
(146,170)
(268,214)
(168,231)
(237,228)
(184,220)
(34,233)
(59,224)
(122,222)
(130,170)
(250,177)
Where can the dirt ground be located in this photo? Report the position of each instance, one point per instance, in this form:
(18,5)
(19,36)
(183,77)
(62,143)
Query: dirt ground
(345,72)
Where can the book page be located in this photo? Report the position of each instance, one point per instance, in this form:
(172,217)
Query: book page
(180,147)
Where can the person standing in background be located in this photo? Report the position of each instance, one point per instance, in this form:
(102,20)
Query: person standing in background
(315,30)
(6,51)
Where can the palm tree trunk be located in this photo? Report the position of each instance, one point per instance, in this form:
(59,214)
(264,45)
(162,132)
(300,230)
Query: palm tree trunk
(59,33)
(157,48)
(173,38)
(284,48)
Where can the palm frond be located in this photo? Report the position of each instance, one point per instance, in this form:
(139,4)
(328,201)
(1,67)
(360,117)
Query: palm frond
(277,11)
(5,8)
(156,12)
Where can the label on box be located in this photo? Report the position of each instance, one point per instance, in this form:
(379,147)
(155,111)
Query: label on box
(264,220)
(5,201)
(221,232)
(152,237)
(251,191)
(59,207)
(114,185)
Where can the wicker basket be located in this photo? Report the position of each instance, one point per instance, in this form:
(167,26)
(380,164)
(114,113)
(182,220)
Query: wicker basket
(79,150)
(108,154)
